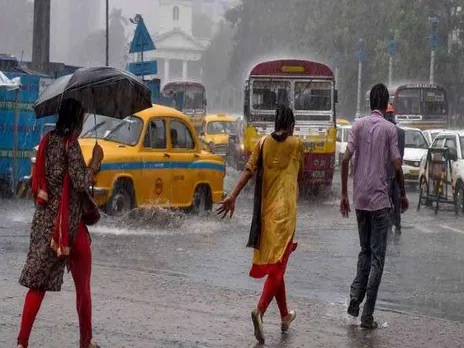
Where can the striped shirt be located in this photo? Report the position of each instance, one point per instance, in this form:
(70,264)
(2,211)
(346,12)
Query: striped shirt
(374,143)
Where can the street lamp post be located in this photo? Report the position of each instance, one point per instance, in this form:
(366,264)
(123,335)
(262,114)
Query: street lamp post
(336,65)
(433,45)
(361,57)
(392,48)
(107,55)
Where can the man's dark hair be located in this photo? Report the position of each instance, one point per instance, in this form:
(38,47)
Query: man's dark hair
(69,116)
(284,119)
(379,97)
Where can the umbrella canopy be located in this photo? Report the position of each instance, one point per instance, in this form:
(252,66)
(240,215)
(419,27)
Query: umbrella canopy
(101,90)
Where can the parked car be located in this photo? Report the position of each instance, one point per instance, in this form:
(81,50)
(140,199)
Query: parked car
(155,158)
(430,134)
(415,148)
(453,140)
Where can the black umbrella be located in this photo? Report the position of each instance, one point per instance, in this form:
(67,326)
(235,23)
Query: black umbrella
(101,90)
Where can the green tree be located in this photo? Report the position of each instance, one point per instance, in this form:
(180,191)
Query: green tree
(91,51)
(17,20)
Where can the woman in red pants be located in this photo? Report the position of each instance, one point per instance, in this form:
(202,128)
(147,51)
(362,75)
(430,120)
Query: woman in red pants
(58,237)
(278,157)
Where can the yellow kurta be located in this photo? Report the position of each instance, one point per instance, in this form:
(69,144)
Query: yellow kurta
(281,164)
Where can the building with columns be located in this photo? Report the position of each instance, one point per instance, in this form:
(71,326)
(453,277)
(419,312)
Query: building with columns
(178,53)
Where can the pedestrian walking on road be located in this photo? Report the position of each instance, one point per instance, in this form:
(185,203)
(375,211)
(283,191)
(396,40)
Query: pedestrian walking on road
(374,143)
(59,181)
(276,162)
(393,188)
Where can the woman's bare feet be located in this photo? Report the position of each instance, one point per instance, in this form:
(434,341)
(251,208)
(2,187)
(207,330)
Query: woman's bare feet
(257,319)
(287,321)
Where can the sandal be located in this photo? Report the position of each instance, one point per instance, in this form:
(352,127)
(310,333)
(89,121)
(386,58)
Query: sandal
(287,321)
(257,319)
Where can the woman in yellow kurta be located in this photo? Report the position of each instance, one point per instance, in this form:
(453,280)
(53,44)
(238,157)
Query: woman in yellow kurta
(282,156)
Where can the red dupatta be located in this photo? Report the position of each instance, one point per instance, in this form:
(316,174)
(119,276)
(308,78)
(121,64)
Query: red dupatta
(60,235)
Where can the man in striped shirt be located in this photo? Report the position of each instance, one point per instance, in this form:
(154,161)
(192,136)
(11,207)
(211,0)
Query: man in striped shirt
(374,142)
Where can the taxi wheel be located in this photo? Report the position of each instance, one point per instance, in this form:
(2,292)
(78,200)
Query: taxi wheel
(202,201)
(120,201)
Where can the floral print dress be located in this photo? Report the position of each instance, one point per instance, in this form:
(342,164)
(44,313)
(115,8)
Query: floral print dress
(43,269)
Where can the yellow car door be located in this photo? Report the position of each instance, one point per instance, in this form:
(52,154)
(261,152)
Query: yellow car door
(155,163)
(184,153)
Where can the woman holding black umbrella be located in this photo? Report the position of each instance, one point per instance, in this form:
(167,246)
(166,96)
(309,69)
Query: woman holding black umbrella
(58,236)
(276,162)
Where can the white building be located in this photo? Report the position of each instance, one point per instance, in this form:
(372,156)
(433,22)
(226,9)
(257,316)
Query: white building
(178,53)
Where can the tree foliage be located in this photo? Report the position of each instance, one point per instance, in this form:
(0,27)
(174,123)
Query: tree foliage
(17,20)
(91,51)
(321,29)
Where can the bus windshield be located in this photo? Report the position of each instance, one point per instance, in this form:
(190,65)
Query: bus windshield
(313,95)
(434,102)
(267,94)
(194,98)
(408,102)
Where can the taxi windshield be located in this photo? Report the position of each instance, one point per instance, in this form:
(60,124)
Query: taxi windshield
(127,132)
(98,126)
(220,127)
(415,140)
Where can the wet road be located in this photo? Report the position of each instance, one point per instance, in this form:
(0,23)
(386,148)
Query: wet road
(164,279)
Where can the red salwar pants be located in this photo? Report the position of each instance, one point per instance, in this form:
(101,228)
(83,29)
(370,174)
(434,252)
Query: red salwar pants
(274,287)
(80,265)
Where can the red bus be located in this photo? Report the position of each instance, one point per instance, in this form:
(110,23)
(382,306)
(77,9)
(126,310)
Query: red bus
(309,89)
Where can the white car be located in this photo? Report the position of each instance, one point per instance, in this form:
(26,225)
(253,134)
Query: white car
(430,134)
(453,140)
(343,132)
(415,148)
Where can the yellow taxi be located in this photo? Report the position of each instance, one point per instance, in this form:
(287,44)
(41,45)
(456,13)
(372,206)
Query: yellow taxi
(155,158)
(215,131)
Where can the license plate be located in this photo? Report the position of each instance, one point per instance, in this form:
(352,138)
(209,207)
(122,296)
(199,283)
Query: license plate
(414,172)
(318,174)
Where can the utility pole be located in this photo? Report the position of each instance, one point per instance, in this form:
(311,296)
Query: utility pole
(392,48)
(41,35)
(433,38)
(336,65)
(361,57)
(107,35)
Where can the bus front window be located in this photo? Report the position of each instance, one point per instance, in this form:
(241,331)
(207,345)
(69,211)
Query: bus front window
(408,102)
(194,98)
(313,95)
(435,102)
(268,94)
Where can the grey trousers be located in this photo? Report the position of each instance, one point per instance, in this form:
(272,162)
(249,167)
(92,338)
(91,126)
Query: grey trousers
(373,232)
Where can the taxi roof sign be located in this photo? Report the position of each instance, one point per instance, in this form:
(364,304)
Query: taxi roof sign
(142,40)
